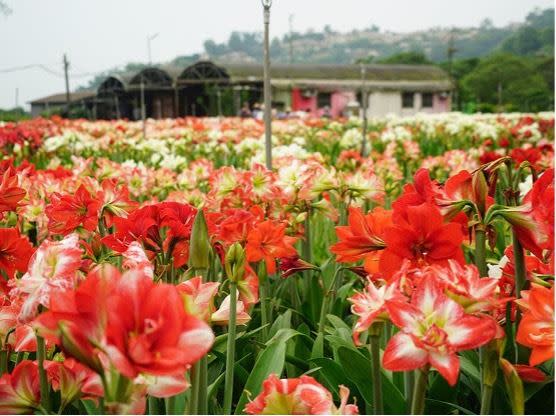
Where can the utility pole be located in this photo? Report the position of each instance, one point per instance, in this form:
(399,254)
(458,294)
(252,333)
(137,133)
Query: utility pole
(364,100)
(143,112)
(16,97)
(66,67)
(290,20)
(149,38)
(450,54)
(267,91)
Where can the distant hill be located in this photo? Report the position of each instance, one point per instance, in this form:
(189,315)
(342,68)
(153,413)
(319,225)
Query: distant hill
(533,37)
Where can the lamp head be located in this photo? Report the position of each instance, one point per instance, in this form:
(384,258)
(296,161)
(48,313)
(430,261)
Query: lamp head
(266,3)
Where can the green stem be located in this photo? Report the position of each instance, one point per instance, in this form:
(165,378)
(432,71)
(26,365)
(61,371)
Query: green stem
(306,249)
(202,399)
(408,384)
(194,400)
(486,399)
(170,405)
(420,391)
(3,361)
(45,391)
(230,352)
(480,250)
(519,264)
(377,382)
(326,301)
(263,294)
(153,405)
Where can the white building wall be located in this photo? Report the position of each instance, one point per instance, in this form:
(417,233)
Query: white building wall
(384,102)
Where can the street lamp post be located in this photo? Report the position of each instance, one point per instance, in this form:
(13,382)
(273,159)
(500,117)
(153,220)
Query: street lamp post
(364,100)
(267,92)
(149,39)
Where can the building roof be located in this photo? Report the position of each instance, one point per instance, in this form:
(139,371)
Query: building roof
(375,72)
(55,99)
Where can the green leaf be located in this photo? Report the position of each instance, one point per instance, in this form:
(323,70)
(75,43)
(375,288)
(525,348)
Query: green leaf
(282,322)
(453,405)
(358,369)
(271,360)
(337,322)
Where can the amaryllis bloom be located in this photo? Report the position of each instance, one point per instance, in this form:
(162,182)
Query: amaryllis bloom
(198,297)
(370,305)
(222,315)
(268,242)
(464,285)
(298,396)
(15,251)
(529,374)
(68,212)
(363,237)
(293,264)
(20,391)
(420,235)
(136,258)
(147,335)
(76,319)
(73,380)
(115,200)
(533,221)
(10,192)
(433,328)
(53,266)
(422,190)
(536,328)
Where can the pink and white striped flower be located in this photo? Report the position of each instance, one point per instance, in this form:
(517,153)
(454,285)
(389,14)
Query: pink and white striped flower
(433,328)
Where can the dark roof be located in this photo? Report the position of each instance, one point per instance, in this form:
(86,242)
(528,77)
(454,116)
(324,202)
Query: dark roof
(61,98)
(376,72)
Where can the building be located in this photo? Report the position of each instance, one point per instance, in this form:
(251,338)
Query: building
(58,102)
(206,88)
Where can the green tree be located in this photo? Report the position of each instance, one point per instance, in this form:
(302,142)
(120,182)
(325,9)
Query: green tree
(411,57)
(509,81)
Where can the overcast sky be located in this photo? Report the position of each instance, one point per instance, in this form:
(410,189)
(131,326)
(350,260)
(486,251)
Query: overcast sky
(100,34)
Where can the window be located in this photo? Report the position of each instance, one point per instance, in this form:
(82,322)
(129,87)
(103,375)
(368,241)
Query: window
(407,100)
(323,99)
(426,101)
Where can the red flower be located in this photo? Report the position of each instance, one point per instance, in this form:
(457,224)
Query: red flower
(363,238)
(420,235)
(67,212)
(268,242)
(536,328)
(20,391)
(15,252)
(298,396)
(432,329)
(76,319)
(10,192)
(533,221)
(73,380)
(115,200)
(145,335)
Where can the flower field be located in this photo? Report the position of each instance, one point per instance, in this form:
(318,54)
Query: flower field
(175,274)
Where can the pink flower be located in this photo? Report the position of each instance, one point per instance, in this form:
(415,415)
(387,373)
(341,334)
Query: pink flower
(370,305)
(298,396)
(433,328)
(136,258)
(198,297)
(222,315)
(53,266)
(20,390)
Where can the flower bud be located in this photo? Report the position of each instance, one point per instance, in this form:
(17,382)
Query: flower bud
(199,246)
(514,387)
(234,263)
